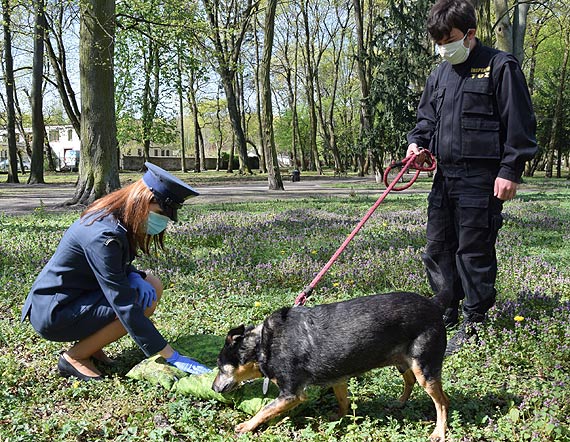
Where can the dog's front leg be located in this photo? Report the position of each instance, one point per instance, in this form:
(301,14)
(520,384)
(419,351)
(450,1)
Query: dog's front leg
(279,405)
(341,394)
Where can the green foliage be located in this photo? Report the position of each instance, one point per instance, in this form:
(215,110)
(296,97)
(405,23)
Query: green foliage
(231,263)
(402,61)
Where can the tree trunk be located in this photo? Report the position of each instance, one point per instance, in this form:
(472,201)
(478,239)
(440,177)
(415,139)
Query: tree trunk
(9,84)
(227,55)
(220,133)
(202,149)
(273,174)
(290,74)
(38,128)
(258,87)
(151,93)
(235,119)
(519,29)
(503,28)
(181,111)
(198,160)
(510,34)
(98,171)
(315,163)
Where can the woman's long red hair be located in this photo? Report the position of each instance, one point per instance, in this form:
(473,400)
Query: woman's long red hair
(130,205)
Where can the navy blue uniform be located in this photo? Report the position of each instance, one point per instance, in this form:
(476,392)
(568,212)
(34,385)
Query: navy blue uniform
(84,287)
(477,118)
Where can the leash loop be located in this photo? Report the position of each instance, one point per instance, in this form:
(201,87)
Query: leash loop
(427,165)
(406,163)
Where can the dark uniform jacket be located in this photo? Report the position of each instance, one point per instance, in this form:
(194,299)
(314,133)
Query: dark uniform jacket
(90,259)
(478,112)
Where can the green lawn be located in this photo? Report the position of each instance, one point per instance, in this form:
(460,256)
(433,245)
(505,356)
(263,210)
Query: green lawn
(231,263)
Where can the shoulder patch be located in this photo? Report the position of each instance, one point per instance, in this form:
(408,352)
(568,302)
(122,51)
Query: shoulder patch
(111,240)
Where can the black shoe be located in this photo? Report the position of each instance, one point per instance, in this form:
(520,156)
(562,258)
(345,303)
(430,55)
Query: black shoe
(451,317)
(463,334)
(66,370)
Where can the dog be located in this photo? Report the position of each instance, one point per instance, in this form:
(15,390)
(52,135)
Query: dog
(327,344)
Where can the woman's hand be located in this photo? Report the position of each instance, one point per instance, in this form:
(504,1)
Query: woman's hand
(147,293)
(186,364)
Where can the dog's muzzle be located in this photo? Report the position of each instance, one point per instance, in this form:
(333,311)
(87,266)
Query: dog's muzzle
(223,383)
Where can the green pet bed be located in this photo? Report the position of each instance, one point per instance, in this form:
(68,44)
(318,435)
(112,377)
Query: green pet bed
(248,398)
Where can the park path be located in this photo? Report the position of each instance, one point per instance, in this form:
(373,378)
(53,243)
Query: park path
(20,199)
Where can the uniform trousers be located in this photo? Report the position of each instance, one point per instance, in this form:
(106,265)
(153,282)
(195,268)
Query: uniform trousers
(464,218)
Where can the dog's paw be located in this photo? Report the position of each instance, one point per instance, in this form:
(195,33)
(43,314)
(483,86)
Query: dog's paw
(398,403)
(436,437)
(244,427)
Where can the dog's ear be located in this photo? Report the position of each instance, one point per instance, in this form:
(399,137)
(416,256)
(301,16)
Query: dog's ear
(235,335)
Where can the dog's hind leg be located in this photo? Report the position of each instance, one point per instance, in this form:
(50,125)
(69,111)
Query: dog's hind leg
(409,382)
(434,389)
(279,405)
(341,394)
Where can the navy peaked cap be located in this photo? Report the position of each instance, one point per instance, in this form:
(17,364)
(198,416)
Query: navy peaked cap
(169,191)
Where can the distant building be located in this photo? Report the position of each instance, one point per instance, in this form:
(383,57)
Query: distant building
(63,140)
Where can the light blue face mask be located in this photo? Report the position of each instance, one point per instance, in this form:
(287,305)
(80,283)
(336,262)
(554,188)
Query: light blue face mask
(156,223)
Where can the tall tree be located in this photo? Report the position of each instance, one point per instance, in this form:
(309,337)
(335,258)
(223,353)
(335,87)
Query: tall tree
(61,18)
(8,66)
(364,26)
(273,173)
(287,65)
(314,162)
(229,22)
(180,93)
(38,128)
(336,31)
(151,89)
(98,167)
(401,60)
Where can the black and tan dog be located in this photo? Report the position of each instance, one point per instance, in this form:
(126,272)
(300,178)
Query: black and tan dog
(327,344)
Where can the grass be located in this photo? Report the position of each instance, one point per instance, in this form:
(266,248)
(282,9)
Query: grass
(232,263)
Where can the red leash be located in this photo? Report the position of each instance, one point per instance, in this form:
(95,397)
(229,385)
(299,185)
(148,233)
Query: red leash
(405,164)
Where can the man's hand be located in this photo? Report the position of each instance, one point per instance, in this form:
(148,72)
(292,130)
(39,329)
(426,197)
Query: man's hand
(505,190)
(419,151)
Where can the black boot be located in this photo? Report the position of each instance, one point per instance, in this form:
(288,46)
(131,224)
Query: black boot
(466,331)
(451,317)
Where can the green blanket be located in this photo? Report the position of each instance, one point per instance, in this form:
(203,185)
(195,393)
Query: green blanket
(205,349)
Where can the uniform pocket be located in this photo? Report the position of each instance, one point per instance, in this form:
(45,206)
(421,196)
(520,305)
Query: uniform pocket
(437,100)
(477,98)
(480,139)
(474,212)
(438,217)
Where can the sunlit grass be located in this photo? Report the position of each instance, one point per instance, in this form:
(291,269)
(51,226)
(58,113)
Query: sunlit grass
(237,262)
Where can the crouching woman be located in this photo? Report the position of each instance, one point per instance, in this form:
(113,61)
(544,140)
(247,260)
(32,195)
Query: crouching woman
(91,294)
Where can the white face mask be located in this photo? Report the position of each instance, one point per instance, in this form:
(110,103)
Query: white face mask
(454,52)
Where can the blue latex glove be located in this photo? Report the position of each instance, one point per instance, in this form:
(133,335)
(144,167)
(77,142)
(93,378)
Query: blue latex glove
(186,364)
(147,293)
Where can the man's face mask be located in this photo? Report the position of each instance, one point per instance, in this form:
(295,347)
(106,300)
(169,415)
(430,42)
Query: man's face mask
(156,223)
(454,52)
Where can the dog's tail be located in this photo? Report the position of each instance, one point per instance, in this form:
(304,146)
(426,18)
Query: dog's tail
(440,284)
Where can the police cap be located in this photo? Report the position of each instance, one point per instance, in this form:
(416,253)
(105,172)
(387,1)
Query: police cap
(169,191)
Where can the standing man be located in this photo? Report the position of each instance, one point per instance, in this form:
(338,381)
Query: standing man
(476,117)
